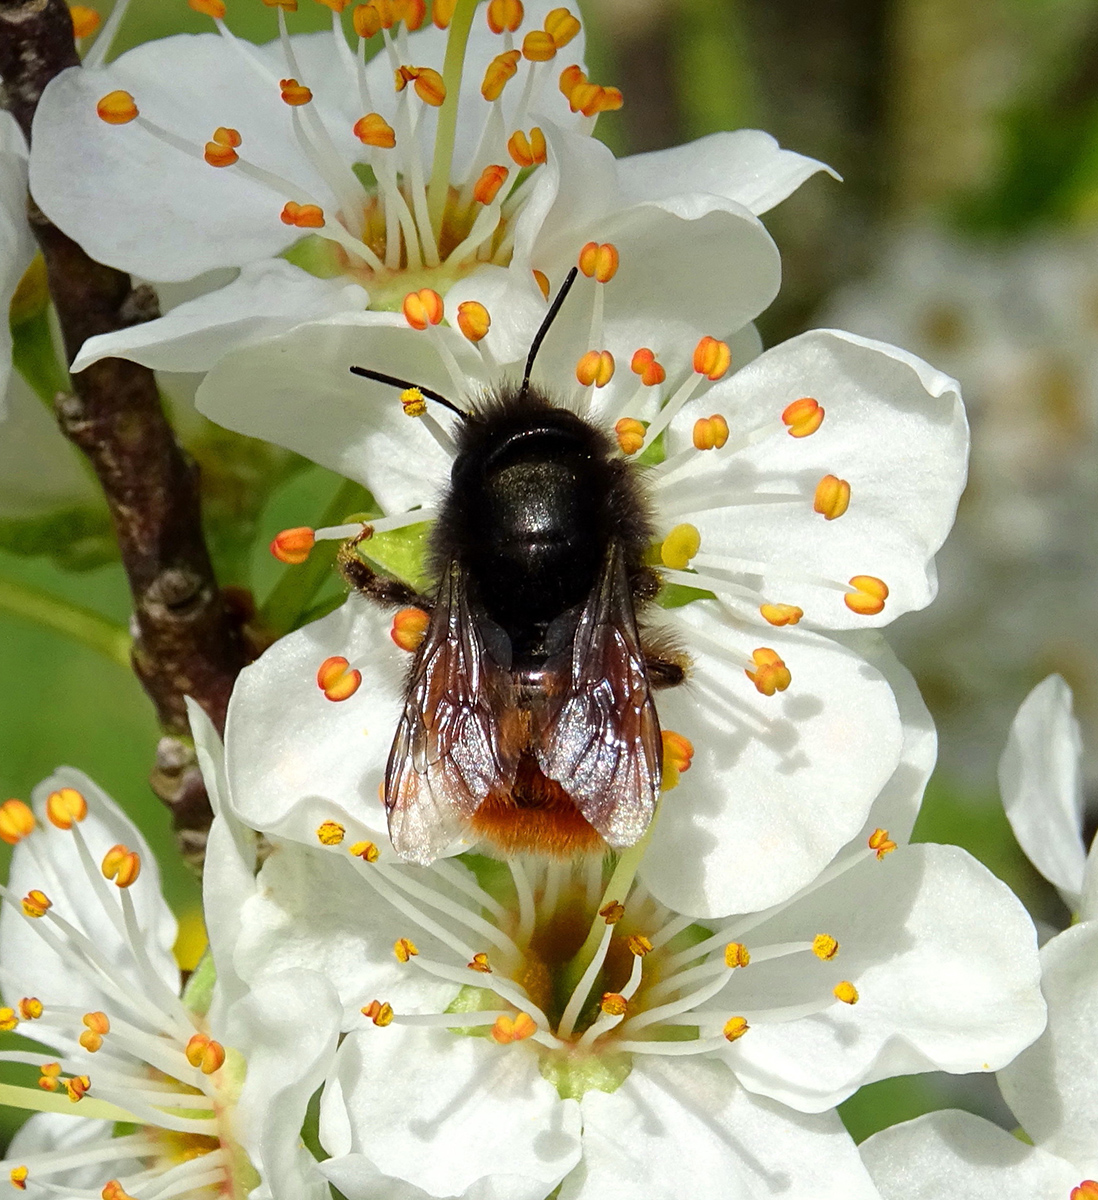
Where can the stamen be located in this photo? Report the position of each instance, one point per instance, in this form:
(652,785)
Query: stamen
(380,1012)
(303,216)
(491,179)
(680,546)
(735,1028)
(16,821)
(880,843)
(367,851)
(712,358)
(337,679)
(330,833)
(409,628)
(644,364)
(678,753)
(294,93)
(802,417)
(846,992)
(781,614)
(527,150)
(455,1020)
(85,21)
(423,308)
(561,26)
(504,15)
(1087,1190)
(405,949)
(36,903)
(426,82)
(630,435)
(771,674)
(596,367)
(710,433)
(832,497)
(97,55)
(525,895)
(374,130)
(292,546)
(583,989)
(824,946)
(121,865)
(8,1020)
(868,597)
(117,108)
(542,280)
(479,962)
(474,320)
(415,516)
(599,261)
(205,1054)
(501,70)
(66,807)
(506,1030)
(413,402)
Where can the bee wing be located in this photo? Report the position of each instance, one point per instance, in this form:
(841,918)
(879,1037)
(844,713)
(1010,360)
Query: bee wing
(447,754)
(600,739)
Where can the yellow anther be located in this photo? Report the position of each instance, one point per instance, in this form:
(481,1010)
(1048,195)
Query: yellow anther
(542,280)
(710,433)
(868,597)
(638,945)
(595,367)
(121,864)
(337,679)
(614,1004)
(499,72)
(538,46)
(507,1030)
(330,833)
(292,546)
(293,93)
(736,954)
(735,1028)
(18,1177)
(286,5)
(380,1012)
(832,497)
(426,81)
(679,547)
(337,6)
(409,628)
(492,178)
(525,150)
(205,1054)
(215,9)
(404,949)
(36,903)
(8,1020)
(389,12)
(561,26)
(30,1008)
(113,1190)
(16,821)
(97,1022)
(221,149)
(504,15)
(678,754)
(591,98)
(643,363)
(571,78)
(366,20)
(49,1078)
(612,913)
(712,358)
(77,1087)
(423,308)
(781,614)
(413,402)
(1087,1190)
(90,1040)
(85,21)
(442,13)
(802,417)
(824,946)
(770,674)
(480,963)
(599,261)
(374,130)
(630,434)
(367,851)
(414,14)
(846,992)
(66,807)
(303,216)
(474,320)
(881,843)
(116,108)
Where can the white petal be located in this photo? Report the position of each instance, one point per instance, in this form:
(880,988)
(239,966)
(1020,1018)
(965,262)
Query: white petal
(16,243)
(961,1156)
(1040,778)
(59,1133)
(746,165)
(267,298)
(944,958)
(685,1127)
(894,429)
(778,783)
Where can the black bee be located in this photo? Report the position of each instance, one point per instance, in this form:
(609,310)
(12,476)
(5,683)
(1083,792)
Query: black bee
(528,716)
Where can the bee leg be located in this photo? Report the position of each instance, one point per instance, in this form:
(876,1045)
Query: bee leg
(665,670)
(393,593)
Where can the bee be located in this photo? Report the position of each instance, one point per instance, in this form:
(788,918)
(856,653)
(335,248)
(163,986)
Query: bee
(528,713)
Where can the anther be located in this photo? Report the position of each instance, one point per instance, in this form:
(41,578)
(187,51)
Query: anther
(426,81)
(504,15)
(330,833)
(413,402)
(614,1004)
(561,26)
(337,679)
(802,417)
(85,21)
(591,98)
(221,149)
(30,1008)
(409,628)
(735,1028)
(366,21)
(214,9)
(414,14)
(712,358)
(710,433)
(77,1087)
(16,821)
(612,913)
(36,903)
(643,363)
(881,843)
(595,367)
(423,308)
(499,72)
(117,108)
(846,992)
(66,807)
(293,93)
(8,1020)
(374,130)
(571,78)
(18,1177)
(304,216)
(542,280)
(474,320)
(538,46)
(205,1054)
(113,1190)
(381,1013)
(480,963)
(832,497)
(405,949)
(122,865)
(824,946)
(599,261)
(49,1078)
(868,597)
(292,546)
(630,434)
(492,178)
(770,674)
(678,754)
(736,954)
(781,614)
(97,1025)
(526,151)
(507,1030)
(638,945)
(442,13)
(285,5)
(680,546)
(367,851)
(1087,1190)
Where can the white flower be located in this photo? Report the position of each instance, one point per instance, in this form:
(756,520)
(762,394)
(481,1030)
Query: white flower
(16,242)
(213,1082)
(290,131)
(515,1026)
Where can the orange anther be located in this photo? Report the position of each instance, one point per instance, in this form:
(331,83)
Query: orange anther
(337,679)
(1087,1190)
(881,843)
(8,1020)
(426,81)
(595,367)
(591,98)
(219,155)
(226,136)
(36,903)
(16,821)
(116,108)
(736,954)
(286,5)
(409,627)
(570,78)
(526,151)
(868,597)
(712,358)
(612,912)
(781,614)
(374,130)
(415,13)
(77,1087)
(404,949)
(304,216)
(680,546)
(504,15)
(423,308)
(30,1008)
(678,754)
(474,320)
(292,546)
(389,11)
(85,21)
(492,178)
(50,1078)
(600,262)
(771,674)
(330,833)
(630,434)
(710,433)
(380,1012)
(614,1004)
(538,46)
(293,93)
(735,1028)
(367,851)
(802,417)
(498,73)
(90,1040)
(18,1177)
(367,20)
(337,6)
(507,1030)
(832,497)
(638,945)
(824,946)
(561,26)
(97,1025)
(121,864)
(205,1054)
(644,364)
(66,807)
(480,963)
(113,1190)
(214,9)
(542,280)
(442,13)
(846,992)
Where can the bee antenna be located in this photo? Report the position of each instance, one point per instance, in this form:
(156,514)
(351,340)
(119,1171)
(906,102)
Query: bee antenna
(404,385)
(550,317)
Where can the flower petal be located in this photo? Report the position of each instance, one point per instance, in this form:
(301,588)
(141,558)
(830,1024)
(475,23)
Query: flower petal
(16,243)
(58,1133)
